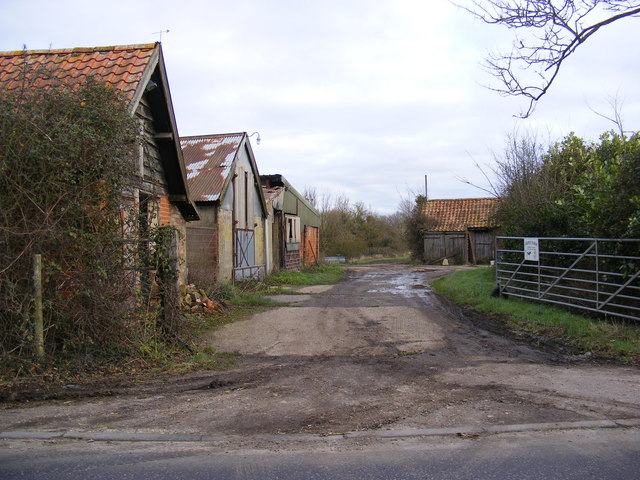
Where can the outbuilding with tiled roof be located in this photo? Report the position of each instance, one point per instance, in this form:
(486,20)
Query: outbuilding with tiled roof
(138,71)
(461,230)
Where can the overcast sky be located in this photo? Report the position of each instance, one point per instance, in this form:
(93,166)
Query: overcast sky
(355,97)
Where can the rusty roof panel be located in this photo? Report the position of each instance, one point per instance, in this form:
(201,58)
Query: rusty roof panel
(460,214)
(208,160)
(119,66)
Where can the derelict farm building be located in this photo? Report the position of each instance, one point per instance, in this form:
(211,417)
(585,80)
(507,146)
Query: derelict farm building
(294,225)
(158,192)
(462,230)
(228,242)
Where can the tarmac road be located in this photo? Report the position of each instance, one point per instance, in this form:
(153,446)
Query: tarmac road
(566,455)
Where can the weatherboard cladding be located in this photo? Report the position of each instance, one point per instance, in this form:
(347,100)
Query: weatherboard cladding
(208,160)
(119,66)
(460,214)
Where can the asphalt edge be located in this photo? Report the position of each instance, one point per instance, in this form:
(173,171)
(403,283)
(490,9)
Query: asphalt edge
(462,431)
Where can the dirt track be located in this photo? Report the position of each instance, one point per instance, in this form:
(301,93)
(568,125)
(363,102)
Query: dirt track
(378,350)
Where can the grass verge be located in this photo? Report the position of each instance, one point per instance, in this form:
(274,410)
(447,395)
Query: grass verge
(320,275)
(367,261)
(618,340)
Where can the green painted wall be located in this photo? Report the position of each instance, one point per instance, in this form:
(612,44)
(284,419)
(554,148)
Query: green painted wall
(295,204)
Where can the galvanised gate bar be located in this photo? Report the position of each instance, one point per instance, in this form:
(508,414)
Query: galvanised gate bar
(595,274)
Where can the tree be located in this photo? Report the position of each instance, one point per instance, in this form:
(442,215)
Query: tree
(573,189)
(553,30)
(530,186)
(416,224)
(353,230)
(311,195)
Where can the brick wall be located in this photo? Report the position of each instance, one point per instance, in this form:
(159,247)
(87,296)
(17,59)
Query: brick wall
(292,260)
(164,211)
(202,255)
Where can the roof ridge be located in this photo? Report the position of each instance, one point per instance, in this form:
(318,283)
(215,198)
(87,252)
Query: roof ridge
(57,51)
(193,137)
(458,199)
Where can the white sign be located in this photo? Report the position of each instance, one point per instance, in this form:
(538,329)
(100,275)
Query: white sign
(531,251)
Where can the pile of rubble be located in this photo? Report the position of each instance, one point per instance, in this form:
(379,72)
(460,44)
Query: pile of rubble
(196,300)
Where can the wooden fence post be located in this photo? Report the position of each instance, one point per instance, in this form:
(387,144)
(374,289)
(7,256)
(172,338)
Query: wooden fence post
(37,306)
(170,294)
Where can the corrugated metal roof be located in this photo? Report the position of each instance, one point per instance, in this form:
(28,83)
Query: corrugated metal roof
(278,180)
(120,66)
(208,160)
(459,214)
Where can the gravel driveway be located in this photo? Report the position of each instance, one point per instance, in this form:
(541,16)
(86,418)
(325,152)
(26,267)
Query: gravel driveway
(376,351)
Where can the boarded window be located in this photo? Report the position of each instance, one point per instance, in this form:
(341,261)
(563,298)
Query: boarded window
(293,229)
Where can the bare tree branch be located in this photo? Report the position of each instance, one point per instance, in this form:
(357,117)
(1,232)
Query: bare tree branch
(491,190)
(554,29)
(615,103)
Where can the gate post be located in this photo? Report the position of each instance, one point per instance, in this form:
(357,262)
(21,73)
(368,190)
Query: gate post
(597,277)
(37,306)
(170,287)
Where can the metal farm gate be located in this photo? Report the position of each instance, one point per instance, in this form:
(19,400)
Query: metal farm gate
(598,275)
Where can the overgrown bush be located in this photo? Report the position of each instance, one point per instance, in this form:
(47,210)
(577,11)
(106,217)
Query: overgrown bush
(65,163)
(573,189)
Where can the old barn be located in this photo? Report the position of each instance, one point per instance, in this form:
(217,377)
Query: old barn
(462,230)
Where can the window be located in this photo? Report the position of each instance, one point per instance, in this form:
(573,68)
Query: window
(292,229)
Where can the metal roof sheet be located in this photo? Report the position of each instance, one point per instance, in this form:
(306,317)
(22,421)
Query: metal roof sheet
(208,160)
(277,179)
(460,214)
(120,66)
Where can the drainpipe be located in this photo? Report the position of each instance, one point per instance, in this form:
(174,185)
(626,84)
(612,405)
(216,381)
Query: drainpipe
(233,227)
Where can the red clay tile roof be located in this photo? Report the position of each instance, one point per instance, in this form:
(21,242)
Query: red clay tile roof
(127,68)
(120,66)
(459,214)
(208,160)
